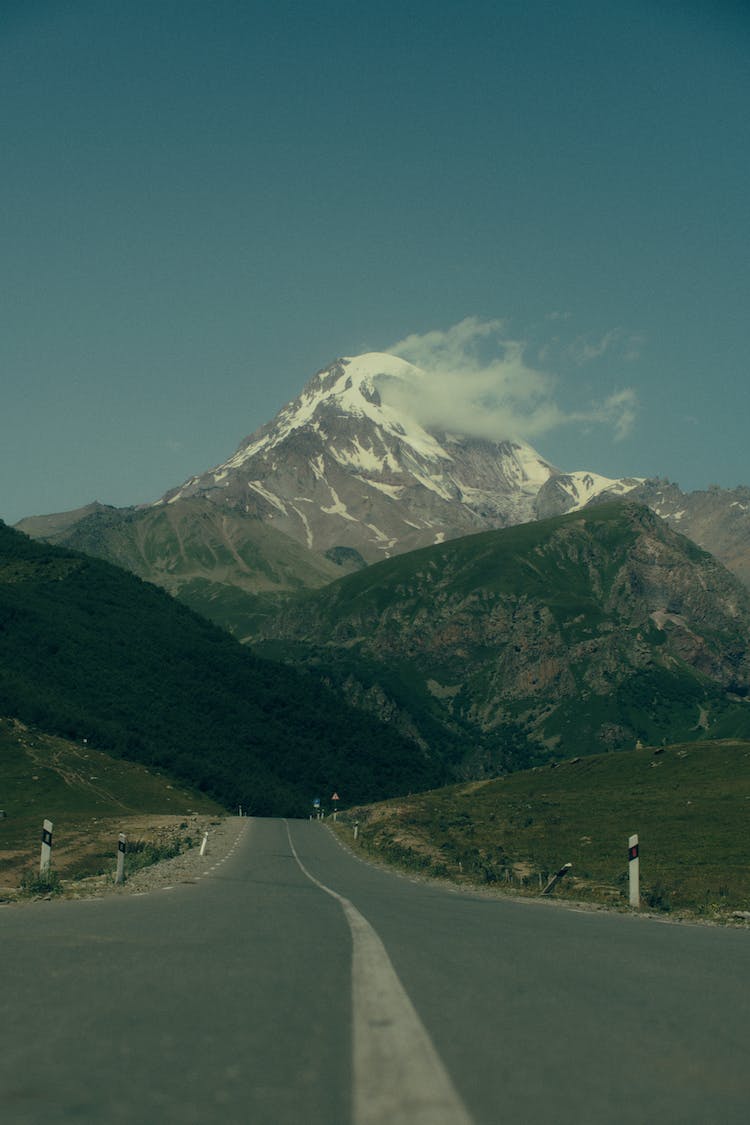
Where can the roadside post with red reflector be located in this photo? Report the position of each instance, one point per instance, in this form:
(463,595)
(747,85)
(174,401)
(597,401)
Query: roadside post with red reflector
(634,871)
(335,798)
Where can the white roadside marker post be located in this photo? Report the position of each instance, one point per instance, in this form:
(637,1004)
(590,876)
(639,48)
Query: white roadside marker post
(121,845)
(634,872)
(46,856)
(204,845)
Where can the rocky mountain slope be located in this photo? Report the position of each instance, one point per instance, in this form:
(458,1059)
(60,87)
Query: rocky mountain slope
(343,477)
(717,519)
(571,635)
(194,540)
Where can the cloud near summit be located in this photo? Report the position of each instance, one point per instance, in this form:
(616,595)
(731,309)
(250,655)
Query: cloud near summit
(478,382)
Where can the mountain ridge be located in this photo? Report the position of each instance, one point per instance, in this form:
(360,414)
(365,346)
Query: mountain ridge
(579,633)
(342,477)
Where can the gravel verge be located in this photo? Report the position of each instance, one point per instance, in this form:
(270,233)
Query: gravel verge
(186,867)
(190,864)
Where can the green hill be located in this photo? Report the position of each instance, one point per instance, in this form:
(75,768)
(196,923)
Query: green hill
(687,803)
(88,651)
(89,796)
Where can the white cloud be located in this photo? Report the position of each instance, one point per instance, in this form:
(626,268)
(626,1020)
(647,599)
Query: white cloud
(586,348)
(478,382)
(619,411)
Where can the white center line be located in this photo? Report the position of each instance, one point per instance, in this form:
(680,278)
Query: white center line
(398,1077)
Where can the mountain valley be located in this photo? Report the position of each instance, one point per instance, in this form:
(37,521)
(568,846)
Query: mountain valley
(484,608)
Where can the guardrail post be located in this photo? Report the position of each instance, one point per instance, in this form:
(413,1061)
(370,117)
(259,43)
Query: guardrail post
(46,856)
(634,872)
(121,847)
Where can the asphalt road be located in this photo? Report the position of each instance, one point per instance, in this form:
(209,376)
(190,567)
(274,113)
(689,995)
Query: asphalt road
(294,983)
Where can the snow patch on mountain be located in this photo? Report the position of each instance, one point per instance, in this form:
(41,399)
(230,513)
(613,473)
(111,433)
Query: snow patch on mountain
(395,491)
(584,486)
(267,495)
(306,525)
(338,508)
(533,471)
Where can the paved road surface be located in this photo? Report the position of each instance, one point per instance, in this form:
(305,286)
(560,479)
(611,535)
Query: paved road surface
(295,984)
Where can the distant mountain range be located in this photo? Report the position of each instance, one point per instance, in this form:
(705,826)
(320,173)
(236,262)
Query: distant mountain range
(491,609)
(344,477)
(487,653)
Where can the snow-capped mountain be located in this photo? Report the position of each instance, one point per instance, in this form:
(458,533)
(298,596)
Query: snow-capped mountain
(341,466)
(345,476)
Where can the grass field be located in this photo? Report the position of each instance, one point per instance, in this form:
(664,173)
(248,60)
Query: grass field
(688,803)
(89,797)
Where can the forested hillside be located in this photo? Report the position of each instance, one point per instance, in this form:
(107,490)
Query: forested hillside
(90,651)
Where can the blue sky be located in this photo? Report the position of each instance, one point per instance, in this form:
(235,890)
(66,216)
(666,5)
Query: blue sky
(201,204)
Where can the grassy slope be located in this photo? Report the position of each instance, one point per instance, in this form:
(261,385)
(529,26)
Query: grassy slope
(85,793)
(688,803)
(500,562)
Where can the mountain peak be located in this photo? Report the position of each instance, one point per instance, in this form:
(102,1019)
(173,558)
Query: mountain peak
(347,463)
(348,387)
